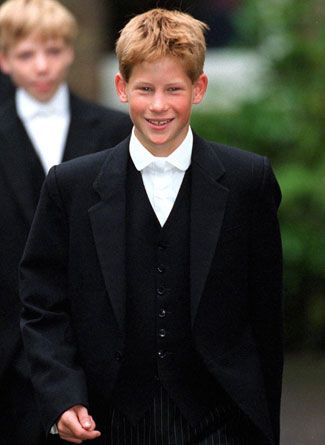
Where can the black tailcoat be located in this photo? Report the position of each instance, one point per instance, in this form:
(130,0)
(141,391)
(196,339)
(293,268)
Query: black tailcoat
(92,128)
(73,283)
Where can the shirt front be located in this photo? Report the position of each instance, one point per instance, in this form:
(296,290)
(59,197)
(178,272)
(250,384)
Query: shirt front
(46,124)
(162,176)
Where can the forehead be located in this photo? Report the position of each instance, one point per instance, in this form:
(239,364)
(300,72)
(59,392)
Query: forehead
(166,69)
(36,40)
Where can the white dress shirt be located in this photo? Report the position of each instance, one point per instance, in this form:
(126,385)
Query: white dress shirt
(46,124)
(162,176)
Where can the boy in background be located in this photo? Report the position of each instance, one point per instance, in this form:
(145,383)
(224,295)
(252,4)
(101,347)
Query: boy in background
(152,278)
(41,125)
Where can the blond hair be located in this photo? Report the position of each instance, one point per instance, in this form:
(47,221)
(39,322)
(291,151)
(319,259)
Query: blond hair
(158,33)
(46,18)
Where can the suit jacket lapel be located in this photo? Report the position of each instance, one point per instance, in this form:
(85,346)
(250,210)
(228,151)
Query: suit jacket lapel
(208,201)
(108,224)
(13,159)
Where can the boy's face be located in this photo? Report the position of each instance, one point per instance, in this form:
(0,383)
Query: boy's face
(38,66)
(160,96)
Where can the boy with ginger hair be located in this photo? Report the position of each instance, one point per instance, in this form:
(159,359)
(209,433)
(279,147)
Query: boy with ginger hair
(41,124)
(155,317)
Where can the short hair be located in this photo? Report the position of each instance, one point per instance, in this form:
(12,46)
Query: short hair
(46,18)
(158,33)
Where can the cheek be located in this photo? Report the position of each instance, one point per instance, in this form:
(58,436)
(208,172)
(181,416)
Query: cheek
(21,76)
(184,107)
(62,68)
(137,106)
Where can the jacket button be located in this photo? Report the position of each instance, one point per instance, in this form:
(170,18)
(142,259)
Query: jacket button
(161,269)
(118,356)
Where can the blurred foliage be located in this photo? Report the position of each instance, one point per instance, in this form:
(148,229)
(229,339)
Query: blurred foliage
(287,124)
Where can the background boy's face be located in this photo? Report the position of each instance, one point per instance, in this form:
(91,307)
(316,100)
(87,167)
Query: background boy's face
(160,96)
(38,66)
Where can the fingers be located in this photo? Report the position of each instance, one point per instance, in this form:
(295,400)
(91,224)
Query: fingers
(85,420)
(76,425)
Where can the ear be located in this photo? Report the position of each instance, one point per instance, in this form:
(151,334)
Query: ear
(121,87)
(71,55)
(200,87)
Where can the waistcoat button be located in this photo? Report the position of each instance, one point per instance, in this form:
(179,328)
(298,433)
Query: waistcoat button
(117,356)
(161,354)
(161,290)
(162,313)
(162,333)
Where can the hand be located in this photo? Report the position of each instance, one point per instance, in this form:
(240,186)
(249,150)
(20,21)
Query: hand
(76,425)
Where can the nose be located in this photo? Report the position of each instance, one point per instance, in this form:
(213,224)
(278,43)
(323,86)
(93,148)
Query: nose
(41,62)
(158,103)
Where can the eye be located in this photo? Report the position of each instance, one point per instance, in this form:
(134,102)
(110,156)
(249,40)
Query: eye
(146,89)
(54,51)
(25,55)
(174,89)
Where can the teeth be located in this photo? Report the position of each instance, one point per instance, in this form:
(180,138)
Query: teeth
(159,123)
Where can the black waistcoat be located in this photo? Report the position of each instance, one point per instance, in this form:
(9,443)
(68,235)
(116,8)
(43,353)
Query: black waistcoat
(159,347)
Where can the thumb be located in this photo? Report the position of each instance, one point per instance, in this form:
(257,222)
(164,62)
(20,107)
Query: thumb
(84,418)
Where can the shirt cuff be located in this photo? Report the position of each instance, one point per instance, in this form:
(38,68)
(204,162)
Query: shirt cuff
(54,430)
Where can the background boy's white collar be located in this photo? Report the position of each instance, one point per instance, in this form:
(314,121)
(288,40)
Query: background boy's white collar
(28,107)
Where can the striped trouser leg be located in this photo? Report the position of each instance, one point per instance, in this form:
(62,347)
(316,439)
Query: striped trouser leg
(164,424)
(161,425)
(221,437)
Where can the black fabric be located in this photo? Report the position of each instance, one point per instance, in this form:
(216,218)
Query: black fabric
(79,293)
(159,346)
(163,424)
(92,128)
(7,89)
(31,161)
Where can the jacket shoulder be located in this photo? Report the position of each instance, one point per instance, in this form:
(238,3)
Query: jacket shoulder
(233,157)
(238,164)
(80,170)
(247,171)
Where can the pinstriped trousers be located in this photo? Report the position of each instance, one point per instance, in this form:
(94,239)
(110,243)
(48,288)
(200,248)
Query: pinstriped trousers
(163,424)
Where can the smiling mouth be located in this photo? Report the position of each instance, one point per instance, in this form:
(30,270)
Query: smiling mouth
(159,123)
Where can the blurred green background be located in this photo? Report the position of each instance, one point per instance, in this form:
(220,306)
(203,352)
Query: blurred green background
(286,122)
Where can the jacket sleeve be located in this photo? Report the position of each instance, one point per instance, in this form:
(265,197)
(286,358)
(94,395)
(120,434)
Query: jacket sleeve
(58,379)
(266,290)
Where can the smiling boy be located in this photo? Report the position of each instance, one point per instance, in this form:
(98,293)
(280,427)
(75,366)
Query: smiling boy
(155,316)
(160,97)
